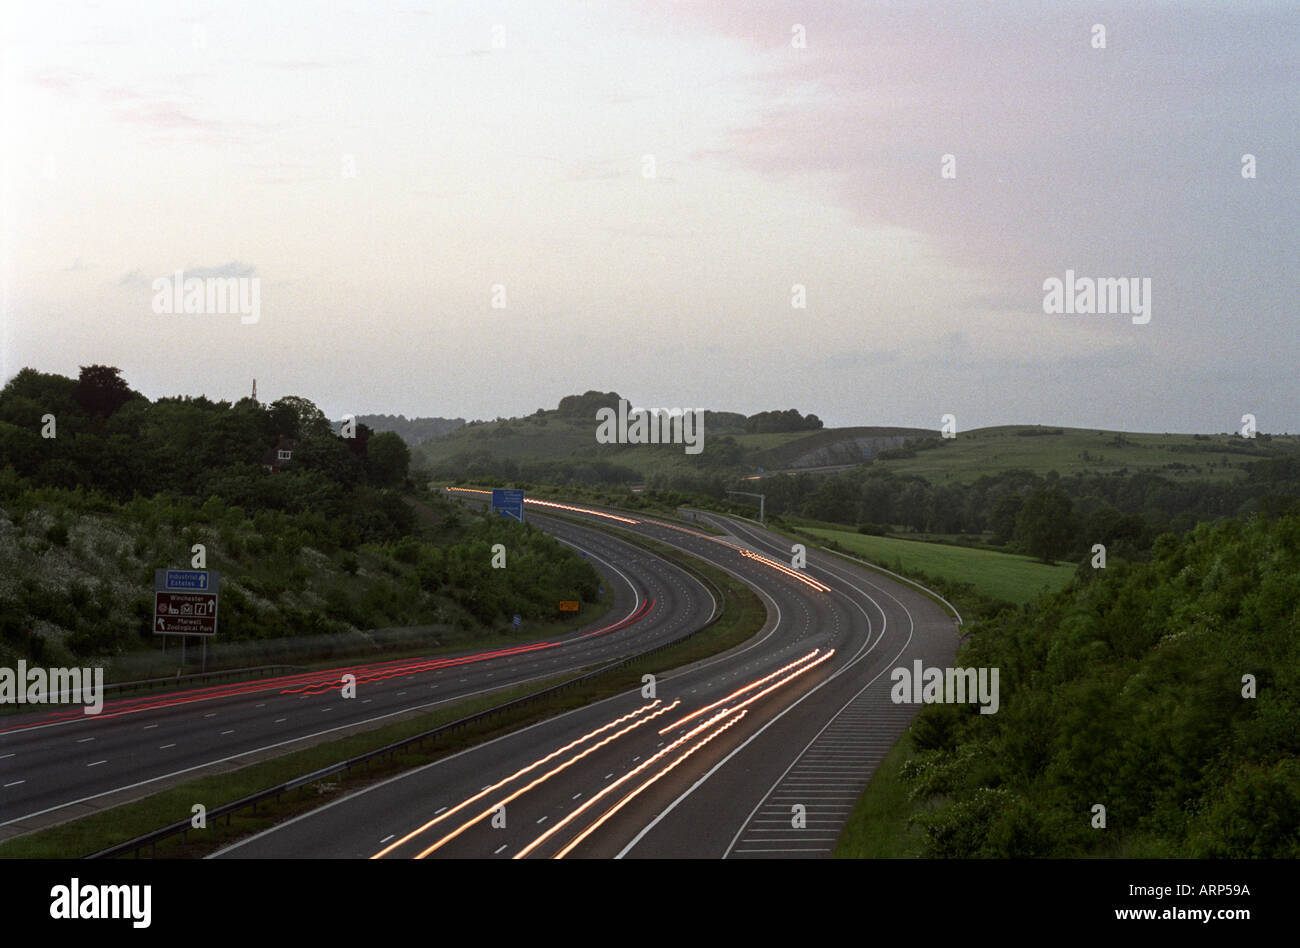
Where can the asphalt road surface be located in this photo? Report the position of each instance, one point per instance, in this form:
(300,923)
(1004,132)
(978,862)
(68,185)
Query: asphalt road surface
(56,766)
(760,752)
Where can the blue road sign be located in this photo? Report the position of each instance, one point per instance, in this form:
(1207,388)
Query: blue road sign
(509,503)
(517,621)
(186,580)
(600,590)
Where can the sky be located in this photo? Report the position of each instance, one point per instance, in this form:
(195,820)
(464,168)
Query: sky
(473,209)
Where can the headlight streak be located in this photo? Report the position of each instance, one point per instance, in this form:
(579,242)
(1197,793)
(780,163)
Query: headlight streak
(739,691)
(793,573)
(542,779)
(790,677)
(554,505)
(628,799)
(515,776)
(766,561)
(605,791)
(677,743)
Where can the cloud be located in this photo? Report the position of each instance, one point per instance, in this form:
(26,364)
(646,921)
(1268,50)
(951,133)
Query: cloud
(140,280)
(232,269)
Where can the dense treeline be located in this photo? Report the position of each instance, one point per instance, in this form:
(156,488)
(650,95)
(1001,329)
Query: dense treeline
(777,421)
(1052,517)
(1127,689)
(99,486)
(95,433)
(714,467)
(411,430)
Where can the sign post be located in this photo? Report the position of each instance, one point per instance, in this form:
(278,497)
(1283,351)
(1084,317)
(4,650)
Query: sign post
(185,604)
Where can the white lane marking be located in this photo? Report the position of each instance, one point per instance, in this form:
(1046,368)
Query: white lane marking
(224,733)
(147,726)
(165,746)
(255,750)
(704,663)
(866,649)
(501,847)
(279,720)
(387,838)
(14,784)
(84,739)
(97,763)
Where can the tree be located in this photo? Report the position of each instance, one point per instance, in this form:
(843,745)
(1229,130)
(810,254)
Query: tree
(297,417)
(101,390)
(1046,524)
(329,455)
(388,459)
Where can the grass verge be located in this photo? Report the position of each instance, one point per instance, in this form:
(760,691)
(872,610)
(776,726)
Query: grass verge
(879,827)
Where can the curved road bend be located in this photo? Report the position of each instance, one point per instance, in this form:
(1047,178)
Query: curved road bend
(60,765)
(713,767)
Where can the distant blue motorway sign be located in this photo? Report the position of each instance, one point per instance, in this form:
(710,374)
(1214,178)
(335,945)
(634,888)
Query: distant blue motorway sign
(509,503)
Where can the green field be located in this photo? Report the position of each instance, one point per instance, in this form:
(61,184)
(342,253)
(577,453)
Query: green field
(1016,579)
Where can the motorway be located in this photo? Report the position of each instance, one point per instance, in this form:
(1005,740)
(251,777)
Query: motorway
(757,753)
(59,765)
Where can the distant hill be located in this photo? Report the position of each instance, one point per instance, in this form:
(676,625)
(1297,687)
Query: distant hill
(413,431)
(1041,449)
(560,445)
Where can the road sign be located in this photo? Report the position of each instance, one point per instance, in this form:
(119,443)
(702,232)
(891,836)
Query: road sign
(509,503)
(568,605)
(517,621)
(184,613)
(185,601)
(186,580)
(600,590)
